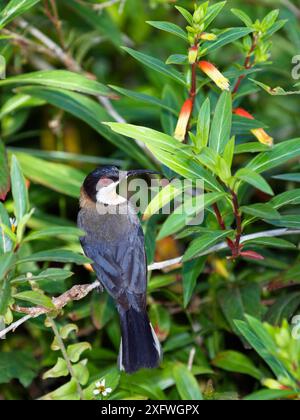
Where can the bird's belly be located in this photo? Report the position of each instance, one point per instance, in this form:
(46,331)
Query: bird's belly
(109,228)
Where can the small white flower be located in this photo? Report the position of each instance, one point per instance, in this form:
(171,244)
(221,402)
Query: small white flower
(101,389)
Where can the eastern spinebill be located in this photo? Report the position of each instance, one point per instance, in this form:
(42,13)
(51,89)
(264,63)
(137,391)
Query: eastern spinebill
(115,243)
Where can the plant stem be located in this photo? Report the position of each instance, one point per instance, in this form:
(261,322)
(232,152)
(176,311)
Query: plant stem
(65,356)
(239,228)
(247,64)
(54,18)
(221,222)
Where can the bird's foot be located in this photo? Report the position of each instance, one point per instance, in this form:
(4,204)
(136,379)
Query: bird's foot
(100,288)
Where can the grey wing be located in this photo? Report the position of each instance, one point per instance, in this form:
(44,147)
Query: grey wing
(122,269)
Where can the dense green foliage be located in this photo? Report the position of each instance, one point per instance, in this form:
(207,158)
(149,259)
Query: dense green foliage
(226,313)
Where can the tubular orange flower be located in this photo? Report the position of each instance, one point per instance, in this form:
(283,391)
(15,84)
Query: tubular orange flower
(183,121)
(214,74)
(261,135)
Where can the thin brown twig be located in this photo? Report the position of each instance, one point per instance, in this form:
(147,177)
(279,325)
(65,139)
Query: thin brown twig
(54,18)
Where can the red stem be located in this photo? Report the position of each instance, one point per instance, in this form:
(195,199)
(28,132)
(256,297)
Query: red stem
(221,222)
(247,65)
(239,227)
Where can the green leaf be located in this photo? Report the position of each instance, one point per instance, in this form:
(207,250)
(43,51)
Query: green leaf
(170,28)
(169,119)
(252,147)
(279,155)
(157,65)
(254,179)
(229,152)
(81,372)
(288,177)
(19,365)
(36,298)
(56,255)
(221,124)
(60,79)
(54,232)
(277,91)
(67,330)
(203,125)
(190,272)
(67,392)
(19,102)
(186,14)
(258,337)
(4,172)
(262,211)
(103,310)
(284,308)
(91,113)
(142,97)
(213,11)
(53,274)
(163,147)
(59,370)
(19,190)
(187,212)
(75,351)
(227,37)
(177,59)
(6,243)
(270,19)
(271,243)
(236,302)
(269,395)
(164,197)
(14,9)
(242,125)
(56,176)
(291,222)
(186,384)
(233,361)
(161,321)
(288,198)
(203,243)
(6,263)
(242,16)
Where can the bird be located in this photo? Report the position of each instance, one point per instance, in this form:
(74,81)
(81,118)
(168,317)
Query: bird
(114,241)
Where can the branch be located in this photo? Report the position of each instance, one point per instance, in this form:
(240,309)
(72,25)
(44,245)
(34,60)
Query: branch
(292,7)
(81,291)
(76,293)
(224,245)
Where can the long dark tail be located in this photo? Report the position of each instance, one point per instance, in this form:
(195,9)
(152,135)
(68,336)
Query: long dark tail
(140,347)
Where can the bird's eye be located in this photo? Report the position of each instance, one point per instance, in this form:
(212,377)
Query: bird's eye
(105,182)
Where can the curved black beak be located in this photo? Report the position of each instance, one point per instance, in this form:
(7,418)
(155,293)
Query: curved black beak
(140,172)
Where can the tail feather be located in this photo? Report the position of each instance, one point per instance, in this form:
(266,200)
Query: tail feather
(140,347)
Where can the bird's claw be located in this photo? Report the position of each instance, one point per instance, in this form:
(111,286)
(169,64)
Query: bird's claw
(100,288)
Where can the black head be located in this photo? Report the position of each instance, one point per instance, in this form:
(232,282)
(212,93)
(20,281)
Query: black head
(90,184)
(103,176)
